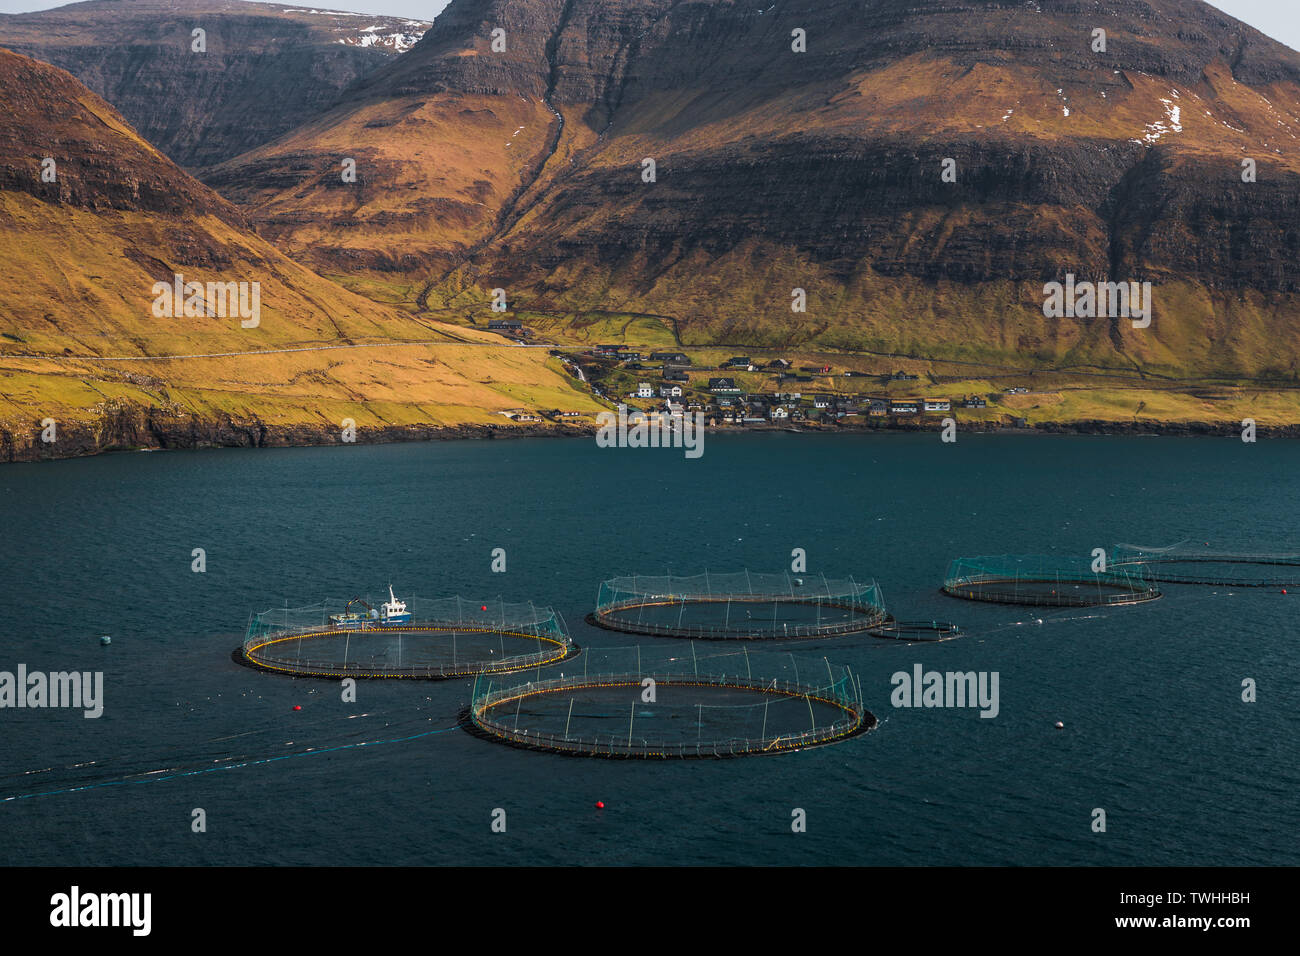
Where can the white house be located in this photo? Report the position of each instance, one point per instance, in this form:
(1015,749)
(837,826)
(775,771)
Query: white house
(644,390)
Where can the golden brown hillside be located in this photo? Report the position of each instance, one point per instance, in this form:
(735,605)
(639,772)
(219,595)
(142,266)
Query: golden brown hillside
(88,238)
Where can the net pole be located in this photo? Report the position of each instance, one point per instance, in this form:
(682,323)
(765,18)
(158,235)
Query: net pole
(810,713)
(694,662)
(763,737)
(630,719)
(569,718)
(748,673)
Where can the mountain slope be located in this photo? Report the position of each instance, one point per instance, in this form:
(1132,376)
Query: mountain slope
(266,66)
(821,170)
(80,336)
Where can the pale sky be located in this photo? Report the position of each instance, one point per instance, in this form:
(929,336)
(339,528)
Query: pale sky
(1280,19)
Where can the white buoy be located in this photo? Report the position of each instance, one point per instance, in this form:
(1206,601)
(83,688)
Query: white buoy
(1060,726)
(106,640)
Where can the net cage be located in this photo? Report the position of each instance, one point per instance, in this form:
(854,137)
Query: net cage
(1047,580)
(1190,563)
(917,632)
(739,605)
(635,703)
(444,638)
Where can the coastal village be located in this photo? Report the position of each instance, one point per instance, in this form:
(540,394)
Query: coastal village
(746,392)
(643,365)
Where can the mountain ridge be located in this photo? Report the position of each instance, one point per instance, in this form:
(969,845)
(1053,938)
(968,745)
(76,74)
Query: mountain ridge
(820,170)
(265,68)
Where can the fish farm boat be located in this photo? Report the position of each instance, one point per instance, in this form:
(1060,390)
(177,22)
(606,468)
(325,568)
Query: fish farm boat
(392,612)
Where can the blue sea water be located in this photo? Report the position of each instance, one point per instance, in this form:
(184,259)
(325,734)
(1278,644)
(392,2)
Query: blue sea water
(1156,732)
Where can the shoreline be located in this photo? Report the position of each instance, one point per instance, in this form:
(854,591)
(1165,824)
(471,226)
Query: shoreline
(149,430)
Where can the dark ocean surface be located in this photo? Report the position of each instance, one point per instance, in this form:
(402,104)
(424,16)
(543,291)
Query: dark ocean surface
(1156,732)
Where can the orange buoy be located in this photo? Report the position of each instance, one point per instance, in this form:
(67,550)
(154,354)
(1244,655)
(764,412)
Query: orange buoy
(297,706)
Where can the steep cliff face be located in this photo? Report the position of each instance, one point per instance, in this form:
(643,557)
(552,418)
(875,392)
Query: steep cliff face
(822,170)
(266,67)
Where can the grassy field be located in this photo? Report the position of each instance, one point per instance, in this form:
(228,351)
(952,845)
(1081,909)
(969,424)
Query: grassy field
(78,336)
(442,385)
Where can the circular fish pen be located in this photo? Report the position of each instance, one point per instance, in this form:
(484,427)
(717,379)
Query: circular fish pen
(738,606)
(1046,581)
(627,706)
(444,638)
(1185,564)
(916,631)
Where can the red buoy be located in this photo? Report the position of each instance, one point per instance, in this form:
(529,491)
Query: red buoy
(483,608)
(600,804)
(1284,590)
(297,706)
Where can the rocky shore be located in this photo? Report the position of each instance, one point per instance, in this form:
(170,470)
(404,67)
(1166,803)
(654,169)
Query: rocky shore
(134,428)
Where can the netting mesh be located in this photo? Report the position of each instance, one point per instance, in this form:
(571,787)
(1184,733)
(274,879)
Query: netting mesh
(446,637)
(630,702)
(1188,562)
(1048,580)
(738,605)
